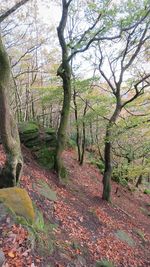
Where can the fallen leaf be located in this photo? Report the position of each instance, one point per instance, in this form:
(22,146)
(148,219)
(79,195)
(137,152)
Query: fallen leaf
(11,254)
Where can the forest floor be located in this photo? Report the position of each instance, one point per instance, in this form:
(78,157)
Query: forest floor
(87,228)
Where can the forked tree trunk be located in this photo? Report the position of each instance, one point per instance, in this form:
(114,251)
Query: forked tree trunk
(11,172)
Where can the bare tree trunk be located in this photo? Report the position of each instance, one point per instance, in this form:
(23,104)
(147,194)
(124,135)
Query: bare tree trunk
(11,172)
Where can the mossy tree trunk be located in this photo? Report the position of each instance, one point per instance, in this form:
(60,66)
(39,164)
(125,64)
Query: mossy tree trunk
(11,172)
(107,154)
(61,135)
(64,71)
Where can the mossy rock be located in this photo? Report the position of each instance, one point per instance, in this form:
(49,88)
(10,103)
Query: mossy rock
(29,134)
(45,157)
(50,137)
(44,190)
(123,236)
(28,127)
(32,143)
(18,201)
(104,263)
(50,131)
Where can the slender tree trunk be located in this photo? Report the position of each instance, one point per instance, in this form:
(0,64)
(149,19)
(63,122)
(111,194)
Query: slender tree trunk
(83,137)
(107,156)
(139,181)
(11,172)
(64,71)
(61,135)
(77,126)
(91,133)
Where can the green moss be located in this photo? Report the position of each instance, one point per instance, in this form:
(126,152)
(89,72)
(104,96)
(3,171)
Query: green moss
(18,200)
(50,131)
(75,245)
(123,236)
(64,176)
(44,190)
(45,157)
(140,234)
(28,127)
(104,263)
(40,232)
(147,191)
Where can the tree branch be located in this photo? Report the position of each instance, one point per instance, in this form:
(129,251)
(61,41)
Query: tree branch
(12,9)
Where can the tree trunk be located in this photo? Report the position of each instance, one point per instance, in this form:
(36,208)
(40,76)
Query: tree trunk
(83,131)
(108,165)
(77,126)
(11,172)
(65,73)
(107,156)
(139,181)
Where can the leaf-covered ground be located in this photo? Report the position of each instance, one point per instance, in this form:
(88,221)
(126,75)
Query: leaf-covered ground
(86,229)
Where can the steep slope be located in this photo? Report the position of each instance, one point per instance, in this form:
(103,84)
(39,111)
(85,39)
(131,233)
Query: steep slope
(87,229)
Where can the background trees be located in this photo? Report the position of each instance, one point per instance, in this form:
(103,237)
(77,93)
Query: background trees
(88,79)
(11,172)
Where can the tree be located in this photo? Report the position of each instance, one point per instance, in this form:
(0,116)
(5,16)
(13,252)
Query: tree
(120,64)
(79,42)
(11,172)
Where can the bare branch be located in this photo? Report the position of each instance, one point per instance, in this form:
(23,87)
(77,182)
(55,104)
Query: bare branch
(12,9)
(138,92)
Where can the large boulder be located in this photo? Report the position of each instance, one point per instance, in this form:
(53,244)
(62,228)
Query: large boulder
(34,136)
(29,134)
(18,202)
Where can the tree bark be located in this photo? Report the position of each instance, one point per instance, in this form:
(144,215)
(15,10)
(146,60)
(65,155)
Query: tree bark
(77,126)
(61,135)
(64,71)
(84,136)
(10,174)
(107,155)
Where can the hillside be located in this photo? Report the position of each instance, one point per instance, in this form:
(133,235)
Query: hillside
(86,229)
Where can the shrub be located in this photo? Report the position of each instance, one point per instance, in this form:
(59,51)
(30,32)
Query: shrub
(147,191)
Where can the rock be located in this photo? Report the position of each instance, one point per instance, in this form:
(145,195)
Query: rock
(2,258)
(44,190)
(123,236)
(29,134)
(18,201)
